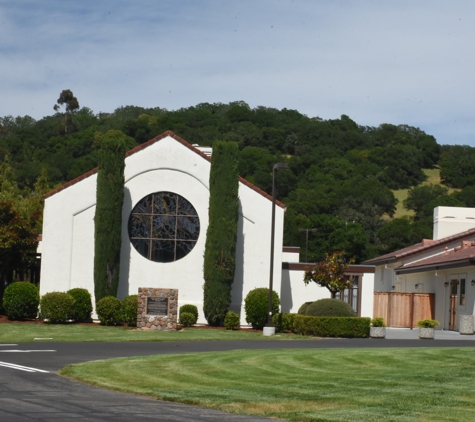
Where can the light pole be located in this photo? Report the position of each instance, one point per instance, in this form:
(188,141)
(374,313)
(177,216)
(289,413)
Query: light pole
(306,243)
(269,329)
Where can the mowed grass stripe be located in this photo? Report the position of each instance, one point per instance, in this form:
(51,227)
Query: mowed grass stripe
(21,333)
(417,384)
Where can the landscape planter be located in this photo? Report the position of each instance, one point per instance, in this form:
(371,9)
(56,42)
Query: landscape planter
(427,333)
(466,324)
(377,332)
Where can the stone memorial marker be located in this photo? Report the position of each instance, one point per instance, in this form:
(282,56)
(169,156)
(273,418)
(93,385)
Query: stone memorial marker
(157,309)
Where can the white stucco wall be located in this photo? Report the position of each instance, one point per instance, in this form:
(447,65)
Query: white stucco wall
(166,165)
(294,293)
(367,295)
(291,254)
(67,220)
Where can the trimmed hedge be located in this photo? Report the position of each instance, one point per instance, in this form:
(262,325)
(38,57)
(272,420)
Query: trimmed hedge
(57,307)
(256,305)
(109,310)
(330,307)
(130,304)
(232,321)
(191,309)
(82,308)
(187,319)
(283,321)
(331,326)
(20,300)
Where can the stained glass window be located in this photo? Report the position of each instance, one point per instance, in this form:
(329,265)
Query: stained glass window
(164,227)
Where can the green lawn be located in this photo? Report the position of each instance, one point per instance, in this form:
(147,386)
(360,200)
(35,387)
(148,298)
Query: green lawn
(414,384)
(21,333)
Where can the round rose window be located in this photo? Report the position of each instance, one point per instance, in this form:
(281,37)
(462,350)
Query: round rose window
(164,227)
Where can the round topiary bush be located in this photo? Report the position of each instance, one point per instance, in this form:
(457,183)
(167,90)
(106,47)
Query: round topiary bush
(20,300)
(109,311)
(232,321)
(57,307)
(191,309)
(256,305)
(330,307)
(303,308)
(130,304)
(82,308)
(187,319)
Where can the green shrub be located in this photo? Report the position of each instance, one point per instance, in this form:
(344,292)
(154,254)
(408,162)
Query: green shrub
(303,308)
(20,300)
(82,308)
(232,321)
(187,319)
(130,304)
(331,326)
(109,311)
(191,309)
(256,305)
(427,323)
(283,321)
(57,307)
(378,322)
(330,307)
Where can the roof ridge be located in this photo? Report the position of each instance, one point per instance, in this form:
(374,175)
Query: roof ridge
(147,144)
(439,242)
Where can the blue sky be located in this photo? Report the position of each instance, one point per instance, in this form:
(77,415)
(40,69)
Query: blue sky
(401,62)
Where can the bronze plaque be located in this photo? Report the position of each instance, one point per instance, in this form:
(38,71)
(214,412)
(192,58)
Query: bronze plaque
(157,306)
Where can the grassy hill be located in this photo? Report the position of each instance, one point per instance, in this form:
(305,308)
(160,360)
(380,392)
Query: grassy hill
(433,178)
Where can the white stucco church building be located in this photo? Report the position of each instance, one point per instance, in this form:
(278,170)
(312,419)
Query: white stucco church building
(168,170)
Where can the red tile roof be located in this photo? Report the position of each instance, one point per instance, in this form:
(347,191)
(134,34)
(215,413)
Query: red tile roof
(145,145)
(425,245)
(461,254)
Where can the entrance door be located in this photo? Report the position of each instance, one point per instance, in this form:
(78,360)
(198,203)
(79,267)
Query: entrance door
(453,305)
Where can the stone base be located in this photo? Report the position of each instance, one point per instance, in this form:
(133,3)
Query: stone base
(268,331)
(150,322)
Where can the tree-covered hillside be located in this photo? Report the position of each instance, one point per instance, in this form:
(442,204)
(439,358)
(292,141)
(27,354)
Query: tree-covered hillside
(340,178)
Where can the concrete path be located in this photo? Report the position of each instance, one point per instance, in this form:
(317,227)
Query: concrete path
(408,334)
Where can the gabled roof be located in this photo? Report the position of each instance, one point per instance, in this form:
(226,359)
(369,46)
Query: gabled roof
(425,245)
(147,144)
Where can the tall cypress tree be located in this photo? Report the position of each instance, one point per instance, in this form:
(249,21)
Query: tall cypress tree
(108,217)
(221,236)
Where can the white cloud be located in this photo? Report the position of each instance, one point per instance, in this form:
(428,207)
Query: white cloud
(397,62)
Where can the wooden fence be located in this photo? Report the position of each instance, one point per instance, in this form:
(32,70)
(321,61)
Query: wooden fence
(403,309)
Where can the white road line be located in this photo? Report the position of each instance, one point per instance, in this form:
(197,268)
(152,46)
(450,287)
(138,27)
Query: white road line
(25,351)
(8,345)
(21,368)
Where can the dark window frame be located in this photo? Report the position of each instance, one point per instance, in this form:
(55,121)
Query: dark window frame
(163,227)
(352,296)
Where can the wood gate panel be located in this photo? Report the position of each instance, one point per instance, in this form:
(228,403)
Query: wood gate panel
(423,307)
(381,306)
(401,304)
